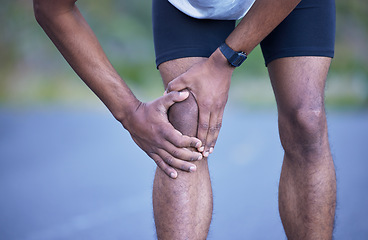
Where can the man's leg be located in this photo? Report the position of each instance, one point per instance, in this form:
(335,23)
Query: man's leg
(183,206)
(307,191)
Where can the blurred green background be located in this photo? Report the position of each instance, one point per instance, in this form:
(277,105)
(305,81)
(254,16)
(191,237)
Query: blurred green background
(32,71)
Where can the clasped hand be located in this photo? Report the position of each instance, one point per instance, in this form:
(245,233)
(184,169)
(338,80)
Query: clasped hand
(151,130)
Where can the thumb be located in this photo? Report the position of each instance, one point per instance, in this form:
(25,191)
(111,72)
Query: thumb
(169,99)
(177,84)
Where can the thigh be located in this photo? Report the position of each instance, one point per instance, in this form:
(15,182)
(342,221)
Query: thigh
(173,68)
(299,82)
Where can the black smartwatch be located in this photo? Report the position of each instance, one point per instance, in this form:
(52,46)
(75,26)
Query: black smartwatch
(234,58)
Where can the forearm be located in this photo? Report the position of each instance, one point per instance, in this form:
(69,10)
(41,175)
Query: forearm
(261,19)
(73,37)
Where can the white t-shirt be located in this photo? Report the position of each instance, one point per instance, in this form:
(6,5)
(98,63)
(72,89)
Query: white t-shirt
(214,9)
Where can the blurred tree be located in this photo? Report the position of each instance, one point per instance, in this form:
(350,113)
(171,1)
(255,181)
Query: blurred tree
(32,69)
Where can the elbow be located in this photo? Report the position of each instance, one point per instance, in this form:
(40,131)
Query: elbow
(46,10)
(40,11)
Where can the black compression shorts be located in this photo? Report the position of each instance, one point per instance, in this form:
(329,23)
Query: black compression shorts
(309,30)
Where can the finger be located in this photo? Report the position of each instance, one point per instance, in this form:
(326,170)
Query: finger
(219,125)
(170,98)
(176,163)
(178,139)
(213,132)
(203,125)
(176,84)
(182,153)
(169,171)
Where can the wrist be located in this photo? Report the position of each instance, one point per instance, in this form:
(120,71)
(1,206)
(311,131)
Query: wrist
(220,61)
(124,112)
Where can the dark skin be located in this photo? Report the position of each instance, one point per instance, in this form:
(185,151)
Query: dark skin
(307,190)
(67,28)
(183,207)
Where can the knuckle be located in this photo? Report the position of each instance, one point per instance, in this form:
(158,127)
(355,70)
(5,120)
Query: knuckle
(174,138)
(203,126)
(169,160)
(215,128)
(175,152)
(212,130)
(178,143)
(182,79)
(219,105)
(159,163)
(162,133)
(218,125)
(206,103)
(156,141)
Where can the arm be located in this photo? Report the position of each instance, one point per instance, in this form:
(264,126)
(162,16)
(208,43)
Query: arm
(146,122)
(209,81)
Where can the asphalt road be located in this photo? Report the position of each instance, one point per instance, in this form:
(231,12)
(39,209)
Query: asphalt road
(71,174)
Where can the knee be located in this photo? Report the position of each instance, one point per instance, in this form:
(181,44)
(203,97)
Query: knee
(184,116)
(303,128)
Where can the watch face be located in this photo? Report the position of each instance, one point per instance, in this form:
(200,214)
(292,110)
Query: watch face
(237,59)
(234,58)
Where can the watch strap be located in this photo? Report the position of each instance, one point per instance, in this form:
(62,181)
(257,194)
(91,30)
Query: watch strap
(234,58)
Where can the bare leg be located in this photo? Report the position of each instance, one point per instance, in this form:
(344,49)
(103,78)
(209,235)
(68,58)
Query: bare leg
(307,191)
(183,206)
